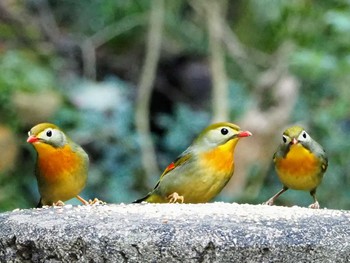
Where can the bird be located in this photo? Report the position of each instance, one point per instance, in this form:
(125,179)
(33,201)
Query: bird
(300,163)
(61,165)
(202,170)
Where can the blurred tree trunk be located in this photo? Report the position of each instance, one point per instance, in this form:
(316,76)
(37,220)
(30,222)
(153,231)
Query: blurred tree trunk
(274,96)
(145,86)
(215,16)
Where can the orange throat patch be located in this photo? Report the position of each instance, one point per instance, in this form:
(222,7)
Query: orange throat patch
(54,163)
(300,169)
(220,159)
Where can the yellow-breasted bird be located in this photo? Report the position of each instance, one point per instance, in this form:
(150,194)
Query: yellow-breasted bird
(300,163)
(202,170)
(61,165)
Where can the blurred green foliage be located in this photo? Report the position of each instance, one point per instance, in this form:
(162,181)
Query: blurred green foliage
(318,32)
(20,70)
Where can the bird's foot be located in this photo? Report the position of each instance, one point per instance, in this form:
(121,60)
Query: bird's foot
(315,205)
(58,203)
(269,202)
(96,201)
(82,200)
(174,197)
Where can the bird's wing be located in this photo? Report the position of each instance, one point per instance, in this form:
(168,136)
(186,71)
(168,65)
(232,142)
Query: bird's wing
(318,150)
(324,162)
(183,158)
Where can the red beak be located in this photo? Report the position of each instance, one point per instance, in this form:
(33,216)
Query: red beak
(244,134)
(32,139)
(294,141)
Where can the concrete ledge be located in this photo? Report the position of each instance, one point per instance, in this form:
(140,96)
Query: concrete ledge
(215,232)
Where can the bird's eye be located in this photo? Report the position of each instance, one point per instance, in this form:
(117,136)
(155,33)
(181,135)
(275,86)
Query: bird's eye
(224,131)
(284,138)
(49,133)
(304,136)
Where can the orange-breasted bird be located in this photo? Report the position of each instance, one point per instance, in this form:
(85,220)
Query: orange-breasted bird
(61,165)
(300,163)
(202,170)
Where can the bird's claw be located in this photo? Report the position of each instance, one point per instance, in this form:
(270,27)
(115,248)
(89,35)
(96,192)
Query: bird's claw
(58,203)
(96,201)
(174,197)
(269,202)
(315,205)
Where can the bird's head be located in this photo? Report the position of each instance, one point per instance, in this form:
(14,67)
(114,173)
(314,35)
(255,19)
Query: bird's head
(295,135)
(47,133)
(219,134)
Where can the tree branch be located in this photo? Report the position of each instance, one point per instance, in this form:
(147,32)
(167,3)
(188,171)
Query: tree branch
(48,22)
(142,111)
(90,44)
(215,12)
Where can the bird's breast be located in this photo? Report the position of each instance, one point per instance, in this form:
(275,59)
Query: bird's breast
(54,163)
(300,169)
(220,160)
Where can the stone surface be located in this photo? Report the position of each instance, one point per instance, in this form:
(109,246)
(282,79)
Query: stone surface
(215,232)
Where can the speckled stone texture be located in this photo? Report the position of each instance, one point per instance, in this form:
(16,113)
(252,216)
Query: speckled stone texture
(215,232)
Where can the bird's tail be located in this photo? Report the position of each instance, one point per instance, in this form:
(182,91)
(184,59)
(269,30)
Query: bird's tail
(152,197)
(142,199)
(40,204)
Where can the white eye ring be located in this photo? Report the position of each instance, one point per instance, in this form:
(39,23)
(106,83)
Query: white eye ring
(285,139)
(303,136)
(49,133)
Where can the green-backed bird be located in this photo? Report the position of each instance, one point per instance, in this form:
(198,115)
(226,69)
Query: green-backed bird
(202,170)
